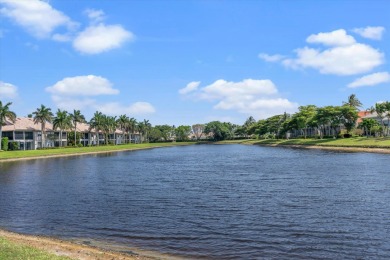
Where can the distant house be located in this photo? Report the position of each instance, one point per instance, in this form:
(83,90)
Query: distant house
(385,120)
(361,115)
(27,135)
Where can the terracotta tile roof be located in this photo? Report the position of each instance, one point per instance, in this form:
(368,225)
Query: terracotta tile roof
(84,128)
(25,124)
(363,114)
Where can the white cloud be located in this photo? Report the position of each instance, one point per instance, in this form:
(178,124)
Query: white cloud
(90,85)
(109,108)
(342,60)
(8,90)
(95,16)
(335,38)
(270,58)
(250,96)
(100,38)
(36,16)
(370,80)
(374,33)
(137,108)
(76,92)
(340,55)
(192,86)
(41,20)
(222,89)
(70,102)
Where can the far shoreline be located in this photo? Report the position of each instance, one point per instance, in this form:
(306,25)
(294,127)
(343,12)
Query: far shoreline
(293,143)
(330,148)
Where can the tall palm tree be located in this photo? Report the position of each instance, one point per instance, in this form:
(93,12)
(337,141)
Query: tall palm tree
(387,108)
(42,115)
(141,130)
(76,117)
(110,125)
(123,124)
(63,121)
(148,127)
(132,127)
(353,101)
(5,114)
(97,124)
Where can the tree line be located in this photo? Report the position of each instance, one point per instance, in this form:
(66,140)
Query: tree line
(327,121)
(310,120)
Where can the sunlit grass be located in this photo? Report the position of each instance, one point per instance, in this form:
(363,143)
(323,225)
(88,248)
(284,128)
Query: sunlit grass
(83,150)
(15,251)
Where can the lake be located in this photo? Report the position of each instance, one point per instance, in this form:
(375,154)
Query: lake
(208,201)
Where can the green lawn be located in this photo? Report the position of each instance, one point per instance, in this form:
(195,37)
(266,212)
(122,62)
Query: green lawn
(81,150)
(13,251)
(361,142)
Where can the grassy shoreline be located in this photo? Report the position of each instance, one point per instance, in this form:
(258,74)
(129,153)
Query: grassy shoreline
(357,144)
(21,246)
(62,152)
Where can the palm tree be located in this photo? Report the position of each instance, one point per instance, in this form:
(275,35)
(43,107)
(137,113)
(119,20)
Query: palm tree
(147,128)
(63,121)
(123,122)
(387,109)
(97,124)
(110,125)
(76,117)
(143,128)
(132,127)
(43,115)
(353,102)
(5,114)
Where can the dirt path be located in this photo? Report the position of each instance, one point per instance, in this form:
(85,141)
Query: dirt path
(72,250)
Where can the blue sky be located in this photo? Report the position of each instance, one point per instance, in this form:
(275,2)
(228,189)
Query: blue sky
(185,62)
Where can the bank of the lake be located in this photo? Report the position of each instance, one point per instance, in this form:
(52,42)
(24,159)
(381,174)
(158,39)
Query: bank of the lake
(20,246)
(73,151)
(357,144)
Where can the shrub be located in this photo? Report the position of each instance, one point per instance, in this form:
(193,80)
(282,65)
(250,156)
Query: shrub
(342,133)
(13,146)
(4,143)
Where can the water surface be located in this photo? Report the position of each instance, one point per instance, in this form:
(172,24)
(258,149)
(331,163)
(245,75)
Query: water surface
(208,201)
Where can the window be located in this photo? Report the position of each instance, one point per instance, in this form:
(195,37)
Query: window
(19,136)
(10,135)
(29,135)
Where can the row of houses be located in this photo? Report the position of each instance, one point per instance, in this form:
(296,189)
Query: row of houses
(28,136)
